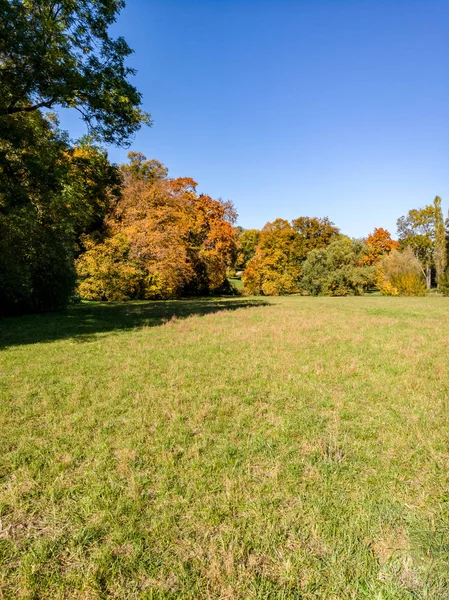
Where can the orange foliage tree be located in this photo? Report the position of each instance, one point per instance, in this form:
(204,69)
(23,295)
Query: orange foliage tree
(377,245)
(162,240)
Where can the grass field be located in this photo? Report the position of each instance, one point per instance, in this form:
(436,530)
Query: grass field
(288,448)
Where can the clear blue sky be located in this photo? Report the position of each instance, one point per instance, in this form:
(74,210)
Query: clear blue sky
(320,108)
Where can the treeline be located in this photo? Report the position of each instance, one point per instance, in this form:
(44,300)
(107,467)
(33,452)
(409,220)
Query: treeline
(311,256)
(97,231)
(72,225)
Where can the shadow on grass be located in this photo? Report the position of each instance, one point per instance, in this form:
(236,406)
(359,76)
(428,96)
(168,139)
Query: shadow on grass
(83,321)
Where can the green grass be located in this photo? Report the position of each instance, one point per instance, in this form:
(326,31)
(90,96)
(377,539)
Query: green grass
(237,283)
(290,448)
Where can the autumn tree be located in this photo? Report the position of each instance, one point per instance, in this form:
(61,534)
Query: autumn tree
(247,241)
(211,243)
(400,274)
(162,239)
(377,244)
(275,269)
(313,233)
(281,251)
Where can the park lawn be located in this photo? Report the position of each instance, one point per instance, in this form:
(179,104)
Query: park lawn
(227,448)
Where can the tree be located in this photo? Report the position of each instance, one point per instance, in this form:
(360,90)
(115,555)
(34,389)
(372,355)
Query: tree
(418,230)
(212,247)
(49,194)
(162,239)
(92,185)
(281,251)
(440,253)
(335,270)
(377,245)
(313,233)
(60,54)
(56,54)
(247,241)
(275,268)
(400,274)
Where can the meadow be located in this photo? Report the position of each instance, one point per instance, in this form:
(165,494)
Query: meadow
(285,448)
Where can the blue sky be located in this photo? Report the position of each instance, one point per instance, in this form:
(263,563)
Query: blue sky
(320,108)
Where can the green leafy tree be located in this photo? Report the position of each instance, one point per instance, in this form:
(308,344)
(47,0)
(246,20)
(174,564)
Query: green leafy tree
(60,54)
(335,270)
(50,194)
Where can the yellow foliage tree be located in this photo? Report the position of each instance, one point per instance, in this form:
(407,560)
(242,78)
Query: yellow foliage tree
(276,267)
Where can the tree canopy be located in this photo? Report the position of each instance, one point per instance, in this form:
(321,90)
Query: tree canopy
(282,248)
(60,53)
(335,270)
(50,194)
(162,239)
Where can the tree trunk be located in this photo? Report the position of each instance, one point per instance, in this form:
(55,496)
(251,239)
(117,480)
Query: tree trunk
(428,277)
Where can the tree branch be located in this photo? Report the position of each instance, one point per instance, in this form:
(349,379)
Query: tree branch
(16,109)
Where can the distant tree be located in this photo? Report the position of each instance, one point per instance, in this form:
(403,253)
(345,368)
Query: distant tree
(275,268)
(141,169)
(247,241)
(162,239)
(377,244)
(313,233)
(400,274)
(418,230)
(335,270)
(60,54)
(211,243)
(440,253)
(281,251)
